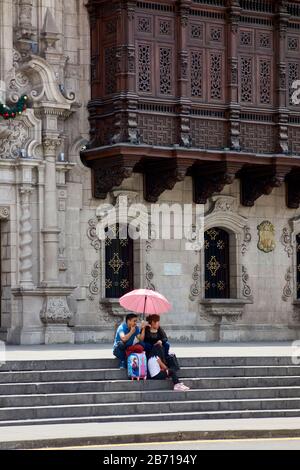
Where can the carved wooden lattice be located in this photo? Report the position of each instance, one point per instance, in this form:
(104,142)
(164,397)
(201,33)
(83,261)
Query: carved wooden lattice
(209,133)
(216,76)
(157,129)
(258,138)
(294,140)
(110,70)
(196,74)
(265,81)
(246,66)
(294,74)
(165,62)
(144,60)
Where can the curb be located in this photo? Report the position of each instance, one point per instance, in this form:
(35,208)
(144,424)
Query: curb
(149,438)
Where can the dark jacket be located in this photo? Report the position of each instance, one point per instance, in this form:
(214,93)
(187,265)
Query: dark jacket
(152,338)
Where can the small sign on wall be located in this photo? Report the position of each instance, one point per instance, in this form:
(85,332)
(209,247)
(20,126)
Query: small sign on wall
(172,269)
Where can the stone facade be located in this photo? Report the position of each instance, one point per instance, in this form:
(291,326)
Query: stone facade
(53,264)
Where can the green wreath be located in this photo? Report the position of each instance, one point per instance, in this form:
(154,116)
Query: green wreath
(12,112)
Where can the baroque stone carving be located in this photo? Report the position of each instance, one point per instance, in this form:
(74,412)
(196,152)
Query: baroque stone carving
(286,240)
(149,277)
(247,239)
(195,288)
(56,311)
(26,262)
(94,286)
(288,289)
(247,291)
(4,213)
(92,235)
(266,233)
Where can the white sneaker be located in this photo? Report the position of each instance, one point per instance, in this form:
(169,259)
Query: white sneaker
(180,388)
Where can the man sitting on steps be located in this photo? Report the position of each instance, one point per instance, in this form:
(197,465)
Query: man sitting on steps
(127,335)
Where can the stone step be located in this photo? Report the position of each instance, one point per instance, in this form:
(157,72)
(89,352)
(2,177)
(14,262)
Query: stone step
(78,364)
(187,406)
(159,417)
(126,385)
(116,374)
(147,396)
(234,414)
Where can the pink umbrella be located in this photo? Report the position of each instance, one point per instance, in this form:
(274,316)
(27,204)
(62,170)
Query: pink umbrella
(146,302)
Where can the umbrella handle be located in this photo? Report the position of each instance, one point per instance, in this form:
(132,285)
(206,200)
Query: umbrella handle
(144,307)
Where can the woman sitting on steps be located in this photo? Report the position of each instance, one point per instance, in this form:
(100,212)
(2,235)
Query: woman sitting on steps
(159,371)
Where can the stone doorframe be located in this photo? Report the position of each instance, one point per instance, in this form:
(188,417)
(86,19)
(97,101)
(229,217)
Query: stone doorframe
(295,230)
(224,215)
(4,217)
(140,248)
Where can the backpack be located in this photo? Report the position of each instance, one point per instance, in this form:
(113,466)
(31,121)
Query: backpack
(137,366)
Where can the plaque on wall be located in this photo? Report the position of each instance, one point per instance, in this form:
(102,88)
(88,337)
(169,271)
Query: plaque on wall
(172,269)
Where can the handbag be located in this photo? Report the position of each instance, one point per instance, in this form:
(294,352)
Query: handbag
(172,362)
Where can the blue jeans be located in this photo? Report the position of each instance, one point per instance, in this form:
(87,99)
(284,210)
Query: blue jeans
(119,351)
(148,348)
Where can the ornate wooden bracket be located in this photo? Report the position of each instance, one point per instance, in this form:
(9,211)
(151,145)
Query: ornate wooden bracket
(211,178)
(293,190)
(259,180)
(109,173)
(162,175)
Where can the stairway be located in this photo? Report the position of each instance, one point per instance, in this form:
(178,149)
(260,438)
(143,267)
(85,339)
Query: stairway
(82,391)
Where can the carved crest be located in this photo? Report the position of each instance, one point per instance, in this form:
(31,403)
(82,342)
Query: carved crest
(266,232)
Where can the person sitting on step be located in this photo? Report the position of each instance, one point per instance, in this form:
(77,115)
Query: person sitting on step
(127,335)
(155,336)
(158,370)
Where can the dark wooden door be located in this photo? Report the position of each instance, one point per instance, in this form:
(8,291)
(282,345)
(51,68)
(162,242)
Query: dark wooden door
(217,264)
(118,262)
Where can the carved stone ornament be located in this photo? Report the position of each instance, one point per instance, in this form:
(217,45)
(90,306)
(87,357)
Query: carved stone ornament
(56,311)
(92,234)
(195,288)
(247,239)
(149,277)
(266,233)
(94,287)
(286,240)
(247,291)
(4,213)
(288,288)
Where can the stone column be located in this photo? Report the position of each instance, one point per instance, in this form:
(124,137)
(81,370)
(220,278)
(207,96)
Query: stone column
(233,68)
(6,43)
(26,278)
(281,77)
(184,105)
(25,31)
(51,230)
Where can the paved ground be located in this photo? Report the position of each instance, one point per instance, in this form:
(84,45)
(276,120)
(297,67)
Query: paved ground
(93,351)
(246,444)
